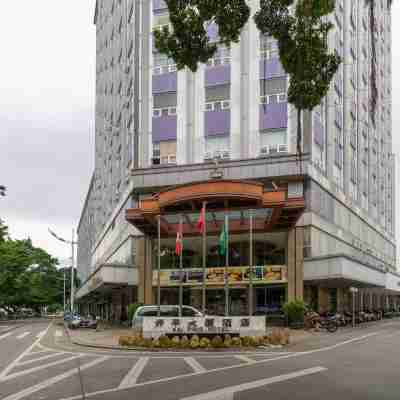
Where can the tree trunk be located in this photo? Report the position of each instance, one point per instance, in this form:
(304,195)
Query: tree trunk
(298,139)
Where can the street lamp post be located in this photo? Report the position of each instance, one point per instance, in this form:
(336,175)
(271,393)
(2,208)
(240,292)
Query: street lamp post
(72,243)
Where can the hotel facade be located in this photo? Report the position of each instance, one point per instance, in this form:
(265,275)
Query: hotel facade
(169,142)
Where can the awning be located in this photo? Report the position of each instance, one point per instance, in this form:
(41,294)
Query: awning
(281,207)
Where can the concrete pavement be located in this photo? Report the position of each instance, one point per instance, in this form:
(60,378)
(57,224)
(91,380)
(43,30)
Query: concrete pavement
(355,364)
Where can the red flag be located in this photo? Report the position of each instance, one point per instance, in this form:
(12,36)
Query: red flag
(202,220)
(178,242)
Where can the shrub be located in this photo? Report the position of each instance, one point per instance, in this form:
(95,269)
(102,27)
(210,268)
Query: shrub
(246,341)
(294,310)
(275,337)
(217,342)
(185,342)
(165,342)
(236,342)
(285,336)
(156,343)
(205,343)
(195,342)
(123,340)
(227,341)
(175,341)
(148,343)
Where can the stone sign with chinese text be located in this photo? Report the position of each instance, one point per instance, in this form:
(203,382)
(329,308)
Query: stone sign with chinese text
(244,326)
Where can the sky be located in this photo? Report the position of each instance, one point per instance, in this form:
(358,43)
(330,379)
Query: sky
(47,94)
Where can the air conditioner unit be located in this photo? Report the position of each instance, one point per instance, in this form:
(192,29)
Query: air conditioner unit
(172,159)
(157,71)
(208,156)
(283,148)
(226,155)
(157,113)
(264,151)
(217,154)
(156,160)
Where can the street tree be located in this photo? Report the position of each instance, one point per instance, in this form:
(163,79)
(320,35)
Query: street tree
(300,28)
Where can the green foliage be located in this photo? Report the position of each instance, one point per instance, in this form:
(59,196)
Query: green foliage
(28,276)
(188,43)
(3,231)
(165,342)
(217,342)
(303,48)
(301,36)
(132,309)
(205,343)
(294,310)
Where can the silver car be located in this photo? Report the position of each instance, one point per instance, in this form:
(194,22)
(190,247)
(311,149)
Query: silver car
(165,311)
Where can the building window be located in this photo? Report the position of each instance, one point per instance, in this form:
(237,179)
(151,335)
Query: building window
(273,98)
(217,147)
(164,112)
(217,105)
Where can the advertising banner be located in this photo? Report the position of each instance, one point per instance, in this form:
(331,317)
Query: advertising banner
(216,276)
(244,326)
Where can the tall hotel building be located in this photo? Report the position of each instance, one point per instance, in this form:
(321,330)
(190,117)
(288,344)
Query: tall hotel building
(168,142)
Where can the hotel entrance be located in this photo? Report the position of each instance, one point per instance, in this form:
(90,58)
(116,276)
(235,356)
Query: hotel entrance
(221,247)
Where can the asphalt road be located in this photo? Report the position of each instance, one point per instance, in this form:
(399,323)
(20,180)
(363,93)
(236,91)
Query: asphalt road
(351,364)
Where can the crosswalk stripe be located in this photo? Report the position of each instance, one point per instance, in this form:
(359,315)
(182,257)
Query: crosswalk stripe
(247,360)
(194,364)
(133,375)
(41,334)
(23,335)
(40,358)
(55,379)
(228,393)
(5,335)
(30,370)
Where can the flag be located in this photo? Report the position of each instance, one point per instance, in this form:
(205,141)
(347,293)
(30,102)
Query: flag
(202,220)
(223,240)
(178,242)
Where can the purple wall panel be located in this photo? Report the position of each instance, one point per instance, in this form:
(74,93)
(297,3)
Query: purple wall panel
(212,31)
(164,128)
(165,83)
(159,5)
(318,132)
(217,122)
(271,68)
(273,116)
(218,75)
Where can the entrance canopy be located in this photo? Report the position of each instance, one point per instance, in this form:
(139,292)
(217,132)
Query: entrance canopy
(274,209)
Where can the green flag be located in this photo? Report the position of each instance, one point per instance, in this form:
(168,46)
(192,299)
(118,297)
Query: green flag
(223,240)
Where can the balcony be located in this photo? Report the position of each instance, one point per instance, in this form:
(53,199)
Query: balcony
(164,128)
(220,75)
(217,123)
(271,68)
(273,116)
(165,83)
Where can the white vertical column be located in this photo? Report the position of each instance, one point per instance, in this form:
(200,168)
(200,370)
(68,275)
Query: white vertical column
(183,122)
(236,111)
(197,137)
(253,106)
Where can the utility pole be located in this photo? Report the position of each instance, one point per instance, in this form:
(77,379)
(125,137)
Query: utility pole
(72,243)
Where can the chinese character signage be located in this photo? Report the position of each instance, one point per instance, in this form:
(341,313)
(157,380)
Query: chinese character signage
(216,276)
(157,326)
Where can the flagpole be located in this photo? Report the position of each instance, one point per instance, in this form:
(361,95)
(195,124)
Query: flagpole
(251,265)
(204,259)
(180,267)
(159,268)
(226,267)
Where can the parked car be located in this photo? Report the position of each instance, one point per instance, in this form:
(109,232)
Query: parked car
(89,323)
(74,322)
(165,311)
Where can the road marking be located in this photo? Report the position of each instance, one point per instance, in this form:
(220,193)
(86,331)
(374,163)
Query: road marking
(247,360)
(132,376)
(58,333)
(34,369)
(23,335)
(40,358)
(54,380)
(41,334)
(22,355)
(229,392)
(263,361)
(194,364)
(5,335)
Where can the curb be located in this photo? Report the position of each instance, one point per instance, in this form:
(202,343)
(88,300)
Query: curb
(10,330)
